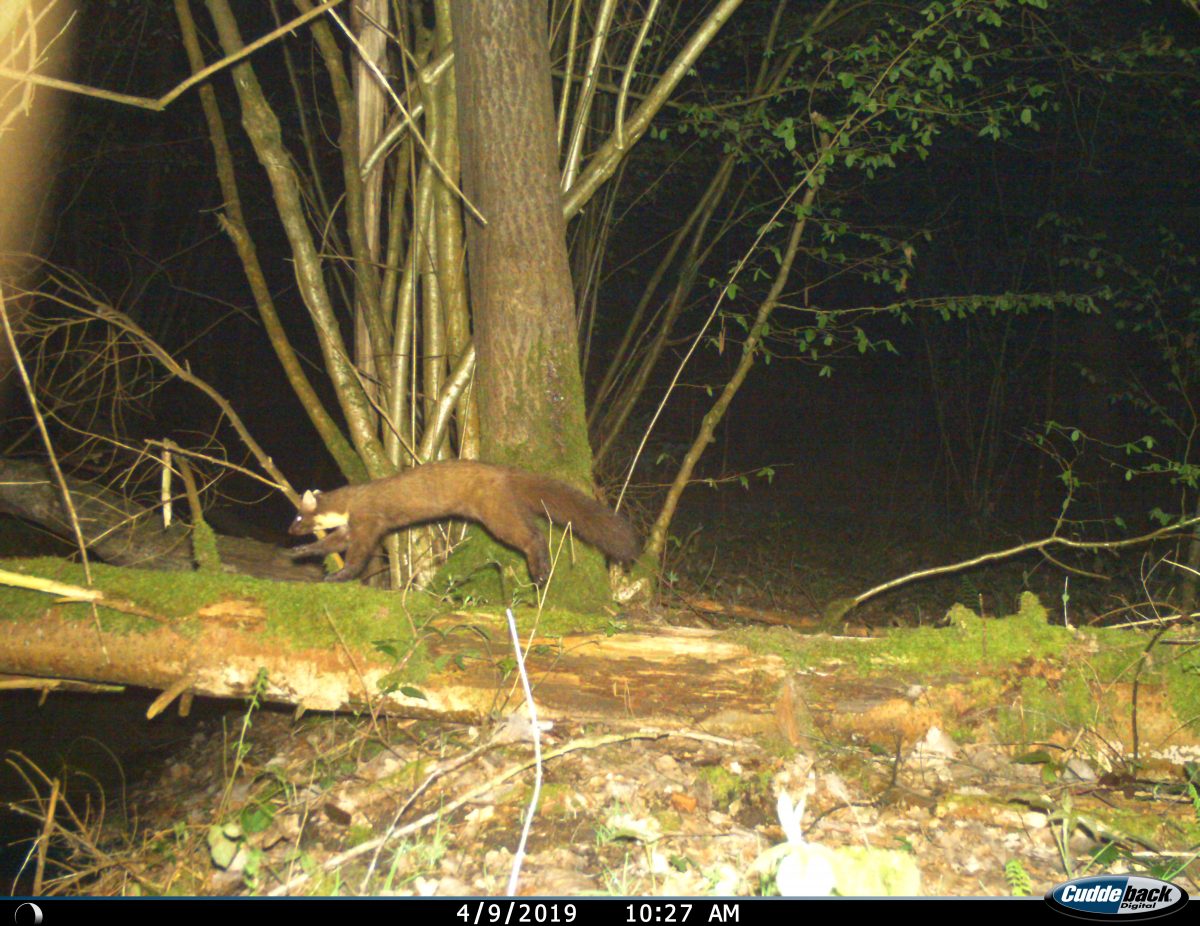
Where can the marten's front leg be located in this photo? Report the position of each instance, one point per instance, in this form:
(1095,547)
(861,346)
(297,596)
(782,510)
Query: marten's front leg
(358,551)
(335,541)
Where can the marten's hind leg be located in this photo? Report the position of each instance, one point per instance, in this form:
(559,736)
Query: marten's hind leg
(520,531)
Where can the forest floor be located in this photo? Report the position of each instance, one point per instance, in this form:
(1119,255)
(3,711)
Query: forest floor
(256,802)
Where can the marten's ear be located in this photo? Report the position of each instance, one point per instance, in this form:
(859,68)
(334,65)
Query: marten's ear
(308,503)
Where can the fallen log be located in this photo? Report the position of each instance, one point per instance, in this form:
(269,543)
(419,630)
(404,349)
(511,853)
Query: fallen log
(318,647)
(122,533)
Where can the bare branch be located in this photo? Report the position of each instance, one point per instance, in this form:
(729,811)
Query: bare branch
(162,102)
(1033,545)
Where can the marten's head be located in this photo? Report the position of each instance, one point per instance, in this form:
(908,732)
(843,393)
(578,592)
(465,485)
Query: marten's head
(318,512)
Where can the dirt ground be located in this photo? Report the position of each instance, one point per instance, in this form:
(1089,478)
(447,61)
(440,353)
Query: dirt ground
(320,806)
(862,790)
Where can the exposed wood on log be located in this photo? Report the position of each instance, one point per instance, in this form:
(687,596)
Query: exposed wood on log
(682,678)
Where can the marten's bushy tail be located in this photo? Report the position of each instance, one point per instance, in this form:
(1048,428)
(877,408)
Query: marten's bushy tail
(594,522)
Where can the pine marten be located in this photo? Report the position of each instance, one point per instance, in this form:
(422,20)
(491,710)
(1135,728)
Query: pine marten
(506,501)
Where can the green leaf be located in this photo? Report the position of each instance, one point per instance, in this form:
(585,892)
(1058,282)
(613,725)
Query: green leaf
(256,817)
(223,844)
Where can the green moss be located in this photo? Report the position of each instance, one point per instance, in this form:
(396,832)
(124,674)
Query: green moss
(483,571)
(973,642)
(969,642)
(1013,656)
(556,443)
(1150,827)
(863,871)
(777,747)
(1123,655)
(1030,609)
(1032,716)
(556,799)
(726,787)
(1183,684)
(303,612)
(480,570)
(834,611)
(723,785)
(204,547)
(155,591)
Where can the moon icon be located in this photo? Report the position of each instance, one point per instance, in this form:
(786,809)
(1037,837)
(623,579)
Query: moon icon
(21,918)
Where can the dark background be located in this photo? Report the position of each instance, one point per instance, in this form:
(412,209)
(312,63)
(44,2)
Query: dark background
(864,483)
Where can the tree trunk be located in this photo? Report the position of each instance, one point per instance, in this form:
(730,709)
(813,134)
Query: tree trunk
(530,388)
(527,375)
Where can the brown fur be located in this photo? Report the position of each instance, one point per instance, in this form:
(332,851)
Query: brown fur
(506,501)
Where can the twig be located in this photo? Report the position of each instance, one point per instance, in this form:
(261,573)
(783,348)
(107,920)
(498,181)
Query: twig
(216,461)
(50,587)
(623,97)
(189,480)
(439,419)
(443,175)
(75,593)
(535,734)
(443,768)
(68,505)
(41,425)
(176,690)
(122,322)
(43,843)
(587,92)
(491,784)
(164,489)
(1033,545)
(162,102)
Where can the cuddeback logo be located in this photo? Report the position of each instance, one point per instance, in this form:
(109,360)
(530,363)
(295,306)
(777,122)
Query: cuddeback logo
(1126,896)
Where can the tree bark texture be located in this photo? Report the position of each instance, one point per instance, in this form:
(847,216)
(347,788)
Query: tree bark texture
(530,387)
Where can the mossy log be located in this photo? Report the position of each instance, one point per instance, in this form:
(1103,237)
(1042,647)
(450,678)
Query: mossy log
(335,647)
